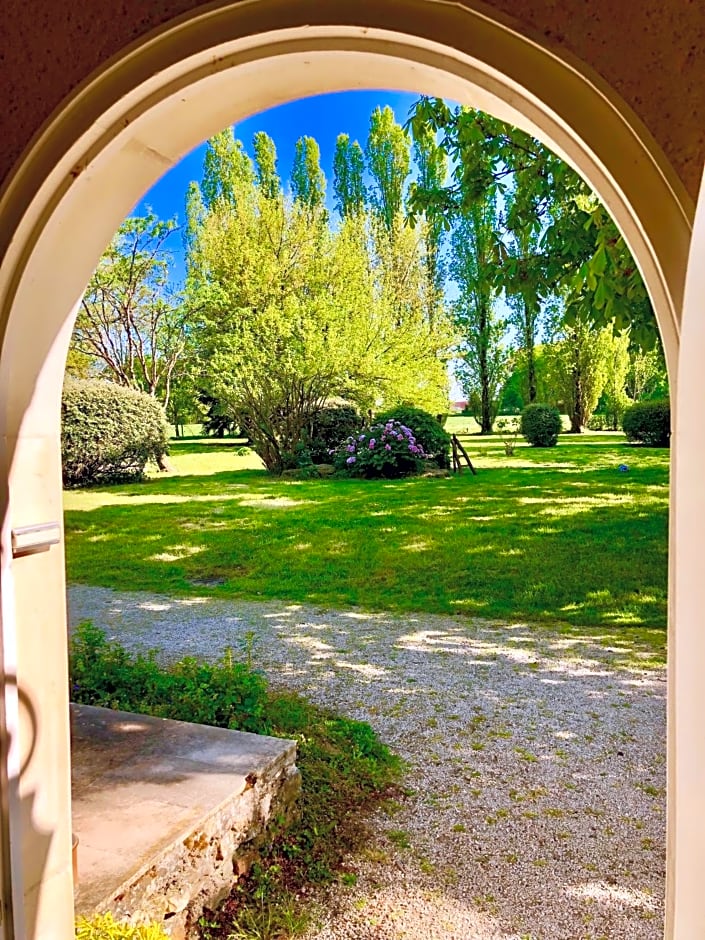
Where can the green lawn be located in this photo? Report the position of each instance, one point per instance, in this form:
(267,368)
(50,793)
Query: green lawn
(547,535)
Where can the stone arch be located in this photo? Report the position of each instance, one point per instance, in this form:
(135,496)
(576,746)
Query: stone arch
(111,140)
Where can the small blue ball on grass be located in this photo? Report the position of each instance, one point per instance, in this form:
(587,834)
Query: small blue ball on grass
(623,468)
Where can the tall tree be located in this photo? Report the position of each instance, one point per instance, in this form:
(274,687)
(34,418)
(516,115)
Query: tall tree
(402,297)
(525,299)
(348,177)
(79,365)
(617,367)
(226,165)
(388,161)
(580,256)
(432,167)
(291,314)
(647,376)
(483,357)
(196,211)
(130,320)
(308,181)
(266,165)
(579,366)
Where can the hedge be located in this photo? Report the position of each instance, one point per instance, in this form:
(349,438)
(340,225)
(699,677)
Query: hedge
(108,433)
(648,422)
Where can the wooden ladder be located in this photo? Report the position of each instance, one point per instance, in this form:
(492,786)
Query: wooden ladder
(458,449)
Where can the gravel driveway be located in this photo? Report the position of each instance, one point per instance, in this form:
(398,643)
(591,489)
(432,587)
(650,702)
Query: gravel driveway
(536,761)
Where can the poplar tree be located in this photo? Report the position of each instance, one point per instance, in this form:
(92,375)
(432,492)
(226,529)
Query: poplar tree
(348,177)
(579,367)
(483,357)
(388,161)
(289,313)
(266,172)
(617,368)
(226,166)
(308,182)
(432,166)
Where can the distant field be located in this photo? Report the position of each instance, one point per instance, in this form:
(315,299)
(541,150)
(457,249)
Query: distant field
(547,535)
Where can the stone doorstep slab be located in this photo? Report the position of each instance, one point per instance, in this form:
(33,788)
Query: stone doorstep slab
(161,807)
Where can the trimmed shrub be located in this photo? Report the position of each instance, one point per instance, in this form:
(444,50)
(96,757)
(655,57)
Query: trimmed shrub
(540,425)
(108,433)
(648,422)
(383,450)
(329,428)
(428,431)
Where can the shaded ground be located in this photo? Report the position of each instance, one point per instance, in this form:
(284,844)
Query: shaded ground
(536,808)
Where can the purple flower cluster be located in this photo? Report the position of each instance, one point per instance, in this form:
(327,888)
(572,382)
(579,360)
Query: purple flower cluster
(384,449)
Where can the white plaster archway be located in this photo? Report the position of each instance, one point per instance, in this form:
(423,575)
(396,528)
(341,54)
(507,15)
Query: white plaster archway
(108,144)
(686,644)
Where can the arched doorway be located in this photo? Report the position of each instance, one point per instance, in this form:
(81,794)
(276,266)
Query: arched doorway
(115,137)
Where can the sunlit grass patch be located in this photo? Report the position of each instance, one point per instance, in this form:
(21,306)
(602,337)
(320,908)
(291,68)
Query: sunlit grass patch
(556,535)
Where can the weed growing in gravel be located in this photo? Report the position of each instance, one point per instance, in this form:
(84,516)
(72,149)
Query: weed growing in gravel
(399,837)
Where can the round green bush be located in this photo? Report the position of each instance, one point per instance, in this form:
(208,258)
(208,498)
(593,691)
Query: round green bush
(386,449)
(648,422)
(108,433)
(428,431)
(540,425)
(329,428)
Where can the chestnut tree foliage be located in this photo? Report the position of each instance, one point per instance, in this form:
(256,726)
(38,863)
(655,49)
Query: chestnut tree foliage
(552,245)
(564,239)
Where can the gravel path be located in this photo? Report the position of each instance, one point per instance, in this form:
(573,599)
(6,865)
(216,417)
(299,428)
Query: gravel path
(537,763)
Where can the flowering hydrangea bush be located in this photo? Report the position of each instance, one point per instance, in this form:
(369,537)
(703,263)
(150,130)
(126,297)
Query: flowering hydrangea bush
(387,449)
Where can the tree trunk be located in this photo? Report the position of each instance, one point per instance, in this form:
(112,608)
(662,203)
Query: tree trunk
(485,400)
(528,329)
(531,370)
(485,411)
(577,418)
